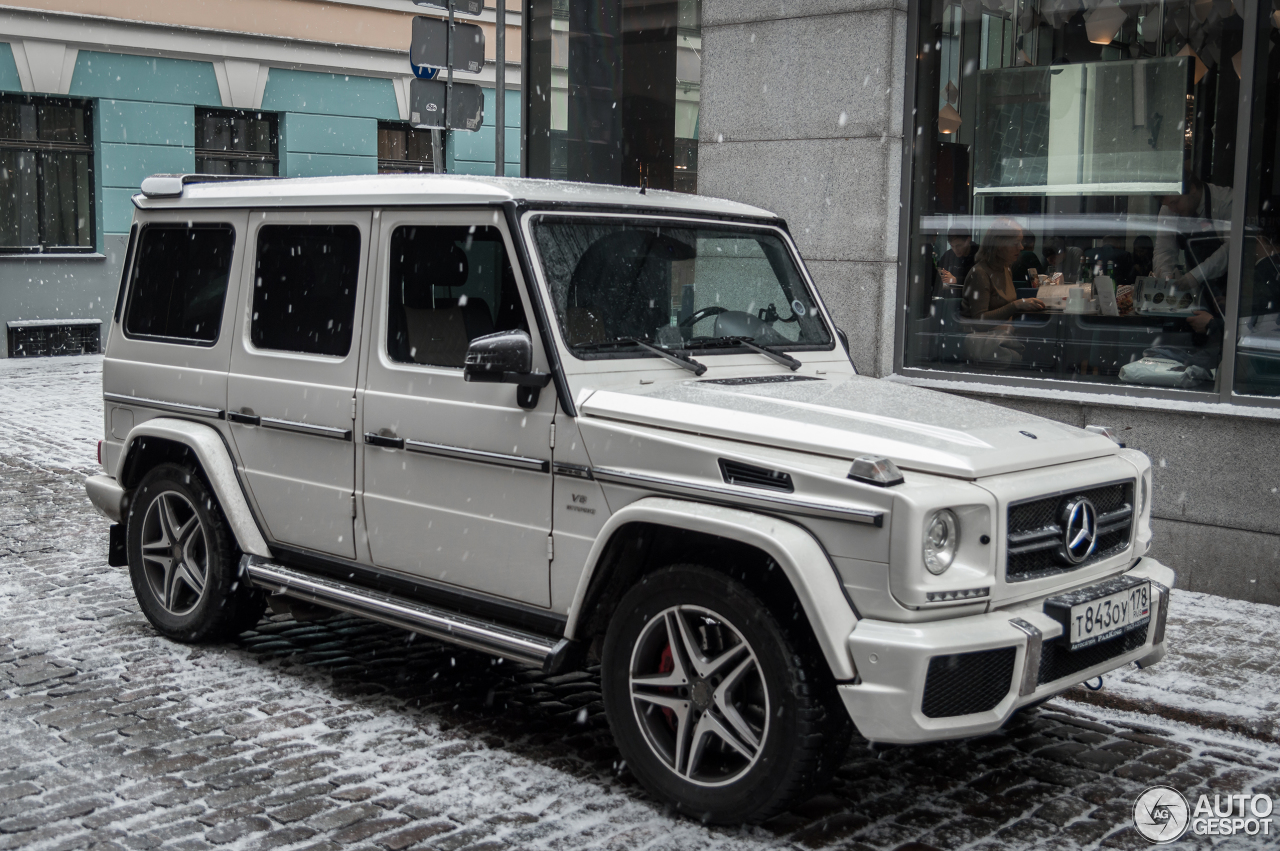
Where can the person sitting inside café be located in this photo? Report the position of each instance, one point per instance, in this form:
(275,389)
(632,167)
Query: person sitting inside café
(989,291)
(1143,256)
(1193,225)
(1028,263)
(958,259)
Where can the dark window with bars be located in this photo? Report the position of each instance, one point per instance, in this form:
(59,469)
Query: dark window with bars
(241,143)
(402,149)
(46,175)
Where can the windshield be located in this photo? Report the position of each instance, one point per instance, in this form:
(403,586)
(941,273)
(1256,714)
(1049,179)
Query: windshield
(679,285)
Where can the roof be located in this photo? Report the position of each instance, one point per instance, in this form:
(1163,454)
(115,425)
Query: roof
(188,192)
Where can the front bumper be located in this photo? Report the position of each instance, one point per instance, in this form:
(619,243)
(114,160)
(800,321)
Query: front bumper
(893,663)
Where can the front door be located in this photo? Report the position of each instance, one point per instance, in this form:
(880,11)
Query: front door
(457,481)
(291,390)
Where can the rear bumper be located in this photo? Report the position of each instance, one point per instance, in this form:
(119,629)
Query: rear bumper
(107,496)
(1025,664)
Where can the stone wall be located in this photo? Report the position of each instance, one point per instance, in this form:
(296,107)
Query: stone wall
(802,115)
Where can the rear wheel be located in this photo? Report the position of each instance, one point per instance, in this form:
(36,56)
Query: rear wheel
(715,708)
(183,561)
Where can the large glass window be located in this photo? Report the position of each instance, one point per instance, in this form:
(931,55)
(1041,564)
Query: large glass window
(304,293)
(46,175)
(1072,193)
(681,287)
(233,142)
(179,283)
(448,286)
(614,91)
(1257,360)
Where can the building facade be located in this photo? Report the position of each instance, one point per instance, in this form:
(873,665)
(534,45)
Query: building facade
(1061,206)
(95,95)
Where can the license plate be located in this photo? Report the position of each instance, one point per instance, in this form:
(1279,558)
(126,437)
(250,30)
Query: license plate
(1101,612)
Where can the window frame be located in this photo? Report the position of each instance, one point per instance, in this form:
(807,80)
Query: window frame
(407,166)
(239,156)
(127,286)
(38,147)
(1254,16)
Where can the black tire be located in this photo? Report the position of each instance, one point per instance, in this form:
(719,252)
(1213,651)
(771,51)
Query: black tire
(178,540)
(783,694)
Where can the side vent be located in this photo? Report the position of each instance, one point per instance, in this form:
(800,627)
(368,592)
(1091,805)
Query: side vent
(745,475)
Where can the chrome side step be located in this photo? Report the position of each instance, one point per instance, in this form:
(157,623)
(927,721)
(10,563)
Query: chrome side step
(474,633)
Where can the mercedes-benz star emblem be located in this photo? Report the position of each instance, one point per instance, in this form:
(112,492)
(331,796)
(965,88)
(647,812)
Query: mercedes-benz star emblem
(1079,530)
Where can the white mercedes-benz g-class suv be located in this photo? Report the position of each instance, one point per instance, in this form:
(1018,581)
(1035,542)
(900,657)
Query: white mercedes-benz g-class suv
(564,423)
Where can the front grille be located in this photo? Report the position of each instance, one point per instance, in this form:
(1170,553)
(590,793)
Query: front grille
(1057,659)
(965,683)
(1035,530)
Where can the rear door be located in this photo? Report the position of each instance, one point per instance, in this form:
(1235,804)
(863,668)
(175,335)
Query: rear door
(291,387)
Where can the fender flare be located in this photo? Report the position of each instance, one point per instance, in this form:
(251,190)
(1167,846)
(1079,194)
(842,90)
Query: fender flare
(797,552)
(211,451)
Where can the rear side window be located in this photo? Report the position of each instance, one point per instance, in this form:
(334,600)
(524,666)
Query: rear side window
(179,283)
(304,294)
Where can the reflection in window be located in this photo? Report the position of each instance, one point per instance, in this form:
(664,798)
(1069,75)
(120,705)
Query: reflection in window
(180,283)
(404,150)
(448,285)
(304,290)
(1071,193)
(615,91)
(241,143)
(46,174)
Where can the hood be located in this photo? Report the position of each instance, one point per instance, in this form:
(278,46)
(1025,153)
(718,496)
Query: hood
(847,416)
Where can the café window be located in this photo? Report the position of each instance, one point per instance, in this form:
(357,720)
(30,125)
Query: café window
(402,149)
(46,175)
(615,91)
(237,142)
(1072,190)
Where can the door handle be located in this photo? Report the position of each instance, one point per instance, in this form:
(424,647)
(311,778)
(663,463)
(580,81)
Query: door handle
(244,419)
(384,441)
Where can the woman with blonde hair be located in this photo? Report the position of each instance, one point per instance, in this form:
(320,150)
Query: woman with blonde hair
(988,288)
(990,297)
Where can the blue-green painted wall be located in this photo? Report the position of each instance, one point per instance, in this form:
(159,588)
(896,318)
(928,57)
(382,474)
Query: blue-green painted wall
(134,141)
(472,153)
(324,145)
(146,78)
(9,81)
(330,94)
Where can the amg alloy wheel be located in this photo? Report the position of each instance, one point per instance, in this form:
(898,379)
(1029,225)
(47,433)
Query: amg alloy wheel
(717,708)
(183,560)
(698,695)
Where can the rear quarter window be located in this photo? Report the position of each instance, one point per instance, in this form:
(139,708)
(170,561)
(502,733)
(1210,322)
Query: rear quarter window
(179,283)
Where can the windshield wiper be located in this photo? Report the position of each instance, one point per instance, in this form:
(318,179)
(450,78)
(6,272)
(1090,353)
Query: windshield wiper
(679,360)
(750,343)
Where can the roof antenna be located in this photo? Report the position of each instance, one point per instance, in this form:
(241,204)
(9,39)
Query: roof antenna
(644,180)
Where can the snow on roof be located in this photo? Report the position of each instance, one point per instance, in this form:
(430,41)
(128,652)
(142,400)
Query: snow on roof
(404,189)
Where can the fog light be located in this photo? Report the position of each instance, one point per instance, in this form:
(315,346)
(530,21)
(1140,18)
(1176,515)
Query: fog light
(941,539)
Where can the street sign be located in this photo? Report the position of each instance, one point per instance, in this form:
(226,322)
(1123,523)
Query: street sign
(430,46)
(431,108)
(465,7)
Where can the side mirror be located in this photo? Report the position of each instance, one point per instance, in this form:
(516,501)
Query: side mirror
(506,358)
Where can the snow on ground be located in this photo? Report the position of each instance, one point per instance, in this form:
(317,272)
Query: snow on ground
(1222,659)
(34,414)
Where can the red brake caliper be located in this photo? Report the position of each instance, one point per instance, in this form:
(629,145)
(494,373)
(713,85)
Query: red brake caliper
(666,665)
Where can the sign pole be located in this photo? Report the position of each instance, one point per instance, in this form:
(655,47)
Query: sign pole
(449,99)
(500,93)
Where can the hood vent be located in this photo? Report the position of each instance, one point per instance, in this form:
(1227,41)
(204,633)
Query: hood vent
(746,475)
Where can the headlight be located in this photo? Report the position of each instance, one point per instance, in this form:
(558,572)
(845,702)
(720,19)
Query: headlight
(941,539)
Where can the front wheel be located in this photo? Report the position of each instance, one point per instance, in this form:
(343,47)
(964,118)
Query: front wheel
(715,708)
(183,562)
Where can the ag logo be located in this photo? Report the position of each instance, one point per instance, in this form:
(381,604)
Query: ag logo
(1161,814)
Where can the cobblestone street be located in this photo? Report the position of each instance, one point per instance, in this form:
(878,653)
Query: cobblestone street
(348,734)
